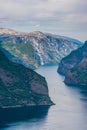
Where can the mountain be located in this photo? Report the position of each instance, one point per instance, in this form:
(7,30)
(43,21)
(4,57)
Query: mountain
(72,59)
(74,67)
(36,48)
(20,86)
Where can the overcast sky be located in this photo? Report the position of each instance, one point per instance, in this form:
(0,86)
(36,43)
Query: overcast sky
(63,17)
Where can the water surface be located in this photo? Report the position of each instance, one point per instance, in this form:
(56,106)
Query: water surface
(69,113)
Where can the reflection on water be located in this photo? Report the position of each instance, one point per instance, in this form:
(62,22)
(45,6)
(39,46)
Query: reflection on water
(69,113)
(20,114)
(81,93)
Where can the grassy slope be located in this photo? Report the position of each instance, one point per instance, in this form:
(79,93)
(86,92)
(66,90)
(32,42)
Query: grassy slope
(23,52)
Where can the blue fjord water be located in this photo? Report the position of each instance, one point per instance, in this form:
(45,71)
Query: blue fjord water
(69,113)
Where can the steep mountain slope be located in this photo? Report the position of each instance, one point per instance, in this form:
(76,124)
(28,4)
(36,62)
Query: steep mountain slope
(74,66)
(72,60)
(78,74)
(36,48)
(20,86)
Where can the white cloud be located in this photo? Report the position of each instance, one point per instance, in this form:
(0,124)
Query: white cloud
(37,9)
(66,13)
(37,25)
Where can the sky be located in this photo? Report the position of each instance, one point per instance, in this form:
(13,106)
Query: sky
(62,17)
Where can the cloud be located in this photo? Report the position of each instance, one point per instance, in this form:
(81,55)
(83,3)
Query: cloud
(64,14)
(37,25)
(40,9)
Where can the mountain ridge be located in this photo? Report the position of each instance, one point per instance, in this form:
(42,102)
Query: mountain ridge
(45,48)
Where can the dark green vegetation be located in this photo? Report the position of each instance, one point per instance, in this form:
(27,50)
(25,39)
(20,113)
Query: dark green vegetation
(36,48)
(21,53)
(20,86)
(74,67)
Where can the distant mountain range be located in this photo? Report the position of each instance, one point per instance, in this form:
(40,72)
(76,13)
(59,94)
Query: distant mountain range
(20,86)
(36,48)
(74,67)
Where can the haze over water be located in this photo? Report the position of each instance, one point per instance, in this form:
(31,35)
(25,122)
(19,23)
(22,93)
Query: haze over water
(69,113)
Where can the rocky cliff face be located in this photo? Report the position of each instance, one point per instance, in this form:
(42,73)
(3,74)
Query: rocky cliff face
(36,48)
(72,60)
(74,67)
(78,74)
(20,86)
